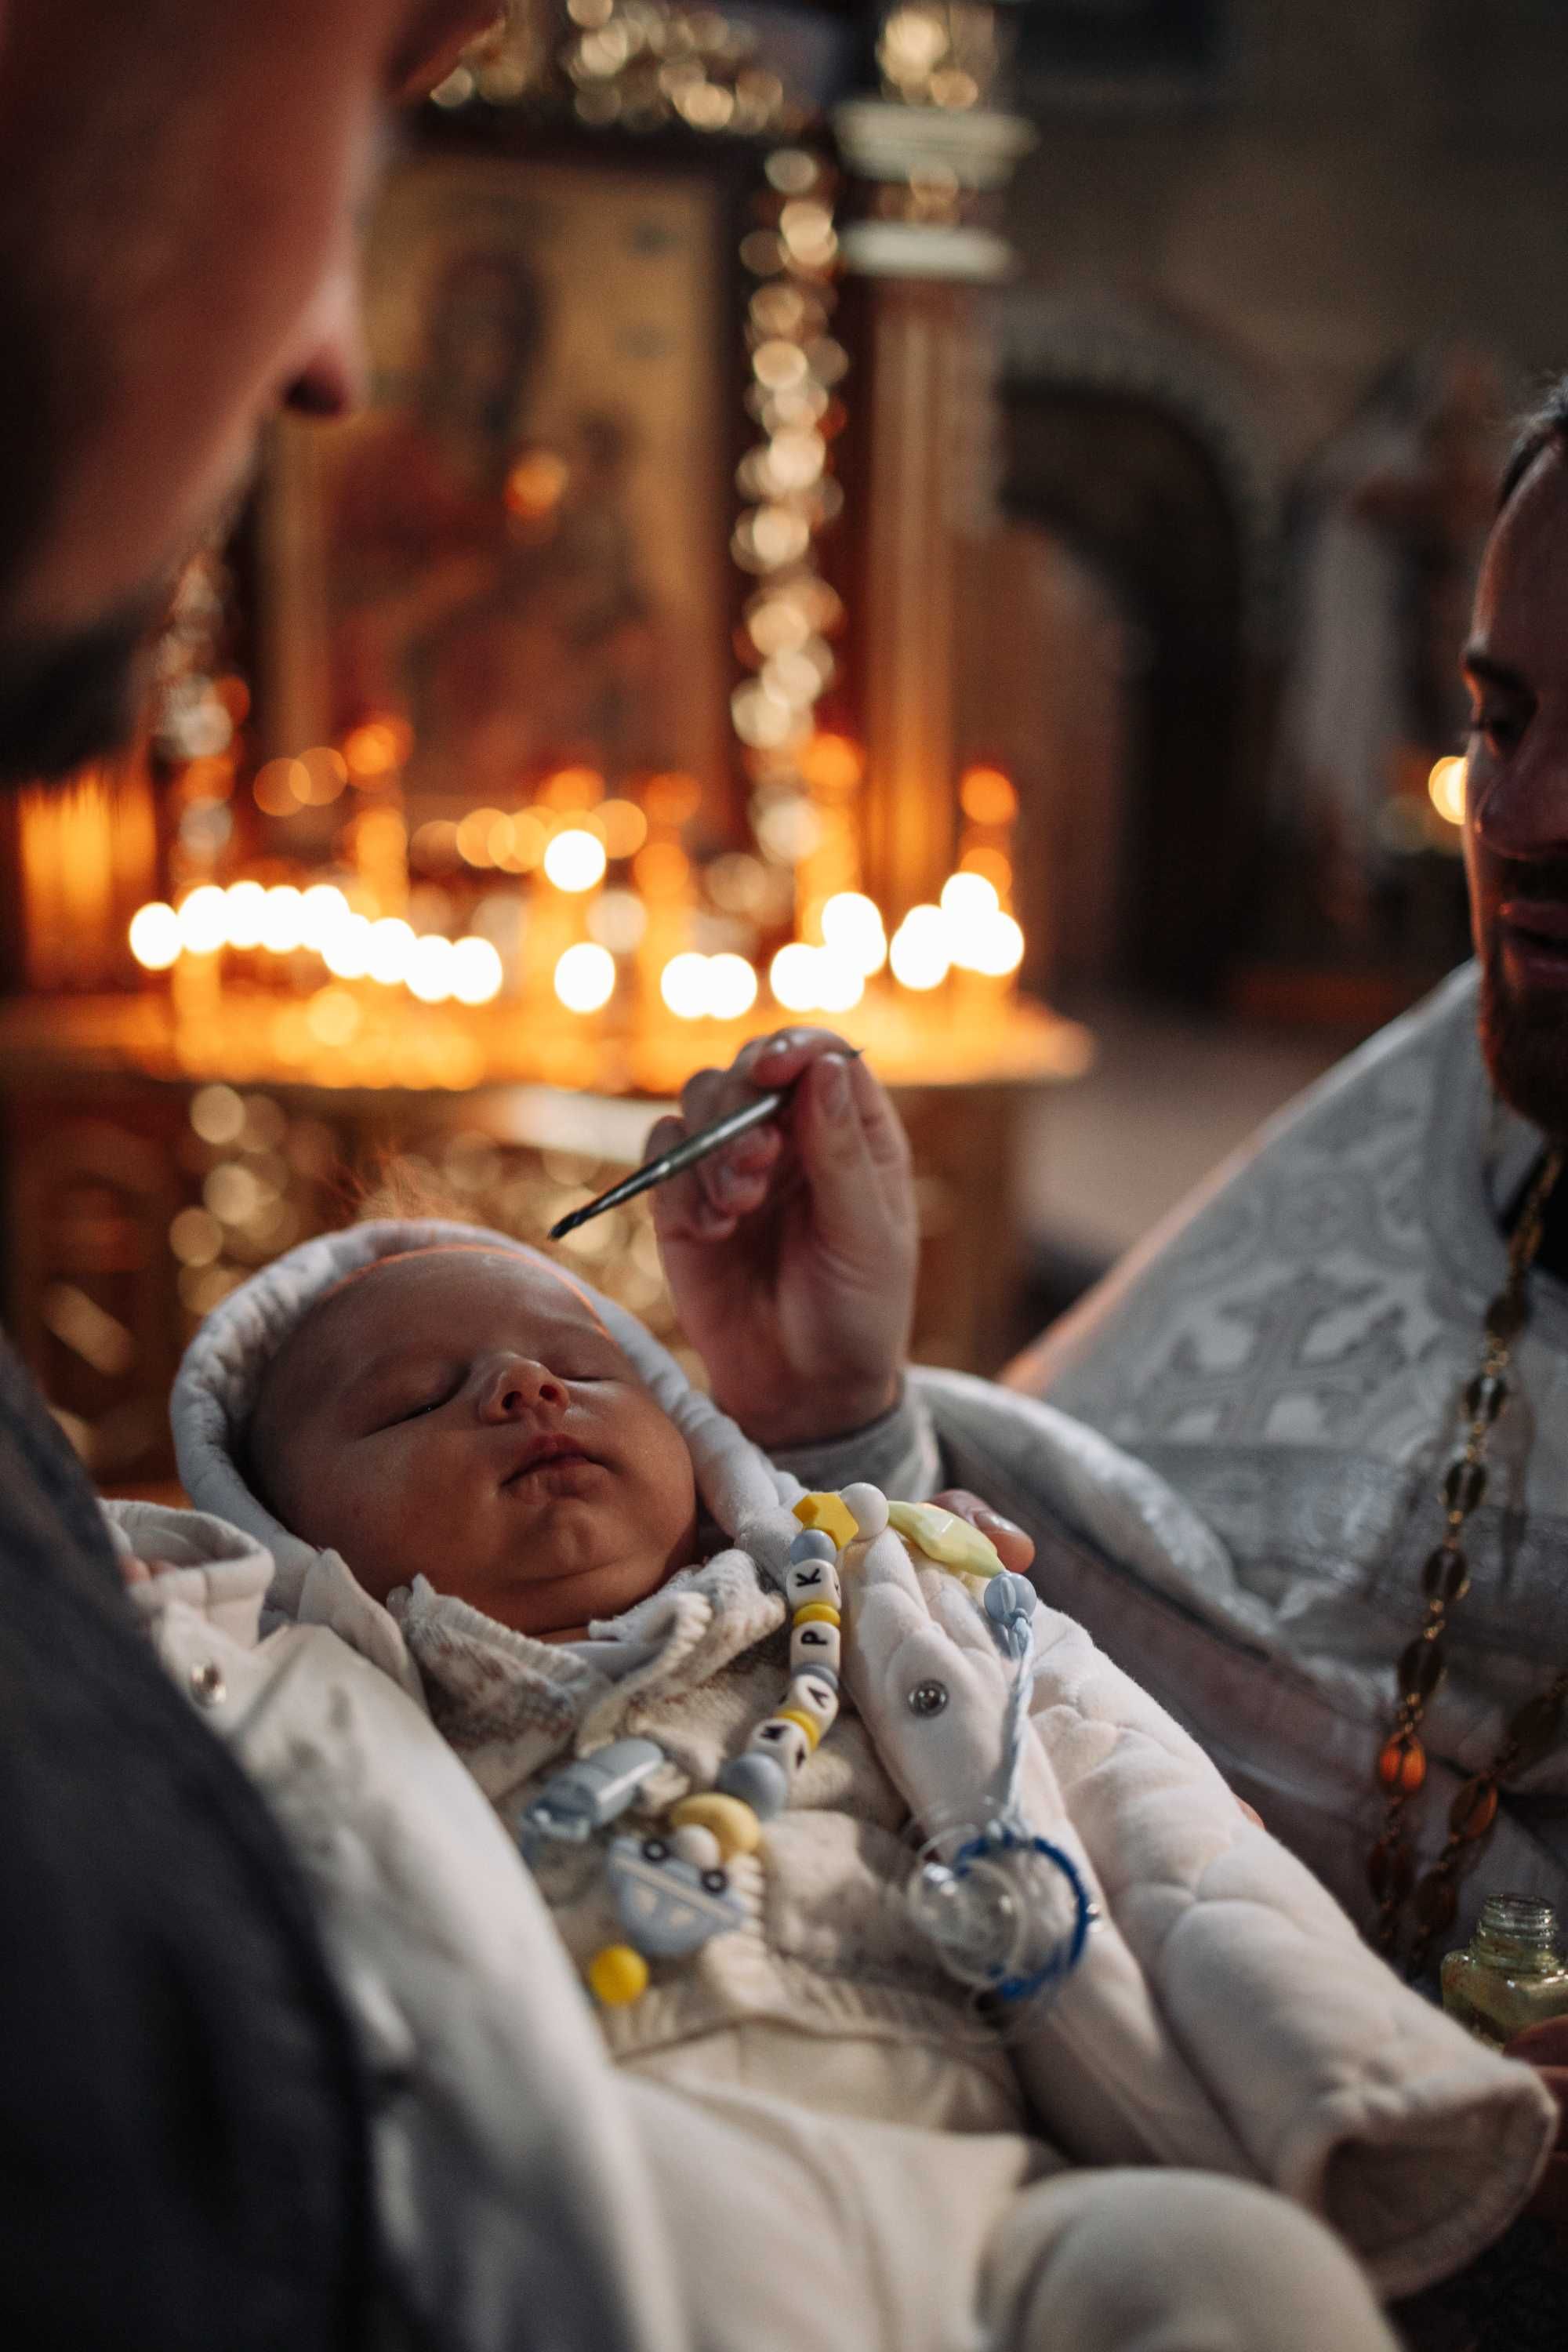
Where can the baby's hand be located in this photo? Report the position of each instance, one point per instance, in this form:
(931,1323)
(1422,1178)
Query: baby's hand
(791,1256)
(140,1572)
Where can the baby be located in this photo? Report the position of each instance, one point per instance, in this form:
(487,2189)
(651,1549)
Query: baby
(511,1496)
(462,1414)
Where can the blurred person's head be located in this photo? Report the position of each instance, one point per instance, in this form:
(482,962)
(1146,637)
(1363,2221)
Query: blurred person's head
(1516,820)
(179,185)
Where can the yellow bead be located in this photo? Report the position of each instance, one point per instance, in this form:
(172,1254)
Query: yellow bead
(951,1541)
(808,1723)
(831,1513)
(731,1818)
(618,1975)
(817,1612)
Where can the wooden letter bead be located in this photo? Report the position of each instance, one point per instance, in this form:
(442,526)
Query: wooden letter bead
(733,1823)
(817,1612)
(814,1643)
(618,1975)
(808,1695)
(829,1512)
(783,1740)
(813,1579)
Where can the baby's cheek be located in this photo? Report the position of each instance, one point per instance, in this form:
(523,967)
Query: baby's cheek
(390,1513)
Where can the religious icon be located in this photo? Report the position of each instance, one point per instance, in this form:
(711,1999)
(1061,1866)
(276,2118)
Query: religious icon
(518,553)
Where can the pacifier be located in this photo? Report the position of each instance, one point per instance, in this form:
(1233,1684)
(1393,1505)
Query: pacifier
(1006,1913)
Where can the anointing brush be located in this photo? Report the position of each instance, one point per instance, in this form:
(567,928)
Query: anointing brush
(686,1153)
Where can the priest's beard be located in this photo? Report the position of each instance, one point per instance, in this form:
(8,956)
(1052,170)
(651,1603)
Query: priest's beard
(73,696)
(1524,1042)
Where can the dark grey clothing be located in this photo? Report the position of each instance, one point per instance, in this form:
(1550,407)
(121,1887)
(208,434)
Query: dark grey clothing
(182,2141)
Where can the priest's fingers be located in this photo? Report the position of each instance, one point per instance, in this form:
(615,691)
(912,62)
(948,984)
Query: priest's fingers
(1015,1547)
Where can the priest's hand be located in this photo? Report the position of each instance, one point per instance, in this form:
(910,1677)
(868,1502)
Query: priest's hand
(1014,1546)
(790,1256)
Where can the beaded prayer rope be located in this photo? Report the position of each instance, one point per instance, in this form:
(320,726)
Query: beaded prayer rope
(1534,1727)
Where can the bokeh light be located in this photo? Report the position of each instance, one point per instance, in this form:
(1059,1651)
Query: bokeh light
(247,914)
(576,860)
(792,976)
(388,950)
(919,954)
(155,940)
(477,972)
(731,987)
(852,925)
(475,832)
(323,911)
(586,977)
(346,952)
(283,920)
(994,946)
(1445,786)
(203,920)
(572,788)
(624,828)
(429,974)
(683,984)
(281,787)
(968,898)
(987,797)
(377,749)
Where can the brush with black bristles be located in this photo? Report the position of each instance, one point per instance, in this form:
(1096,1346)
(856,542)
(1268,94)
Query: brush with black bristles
(686,1153)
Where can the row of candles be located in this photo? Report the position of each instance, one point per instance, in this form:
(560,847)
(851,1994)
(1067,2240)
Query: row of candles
(966,929)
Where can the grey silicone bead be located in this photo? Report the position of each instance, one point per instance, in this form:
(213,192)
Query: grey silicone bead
(759,1782)
(1009,1596)
(812,1544)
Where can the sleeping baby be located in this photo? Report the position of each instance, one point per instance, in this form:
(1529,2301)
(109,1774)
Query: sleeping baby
(718,1717)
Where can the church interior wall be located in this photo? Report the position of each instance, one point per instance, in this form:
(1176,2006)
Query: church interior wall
(1361,181)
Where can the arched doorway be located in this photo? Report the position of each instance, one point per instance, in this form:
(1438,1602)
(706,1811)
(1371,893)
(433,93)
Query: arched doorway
(1125,472)
(1137,500)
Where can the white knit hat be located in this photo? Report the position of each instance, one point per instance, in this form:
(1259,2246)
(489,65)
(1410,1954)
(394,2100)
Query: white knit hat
(220,1379)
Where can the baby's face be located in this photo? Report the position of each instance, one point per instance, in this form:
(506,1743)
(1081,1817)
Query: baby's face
(461,1414)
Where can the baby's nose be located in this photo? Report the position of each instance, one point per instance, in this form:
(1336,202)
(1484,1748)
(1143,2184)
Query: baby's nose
(517,1385)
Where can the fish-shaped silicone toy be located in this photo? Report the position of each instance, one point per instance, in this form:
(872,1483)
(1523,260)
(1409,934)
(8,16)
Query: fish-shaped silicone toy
(941,1536)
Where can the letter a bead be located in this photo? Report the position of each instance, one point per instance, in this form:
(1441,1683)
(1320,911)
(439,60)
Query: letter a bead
(783,1740)
(807,1695)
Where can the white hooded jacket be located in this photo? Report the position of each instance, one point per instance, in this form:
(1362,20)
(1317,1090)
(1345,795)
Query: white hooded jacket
(1226,2013)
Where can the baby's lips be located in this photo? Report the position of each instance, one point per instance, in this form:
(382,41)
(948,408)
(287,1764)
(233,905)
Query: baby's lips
(537,1454)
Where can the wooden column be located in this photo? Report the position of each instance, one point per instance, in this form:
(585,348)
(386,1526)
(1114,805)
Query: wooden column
(927,272)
